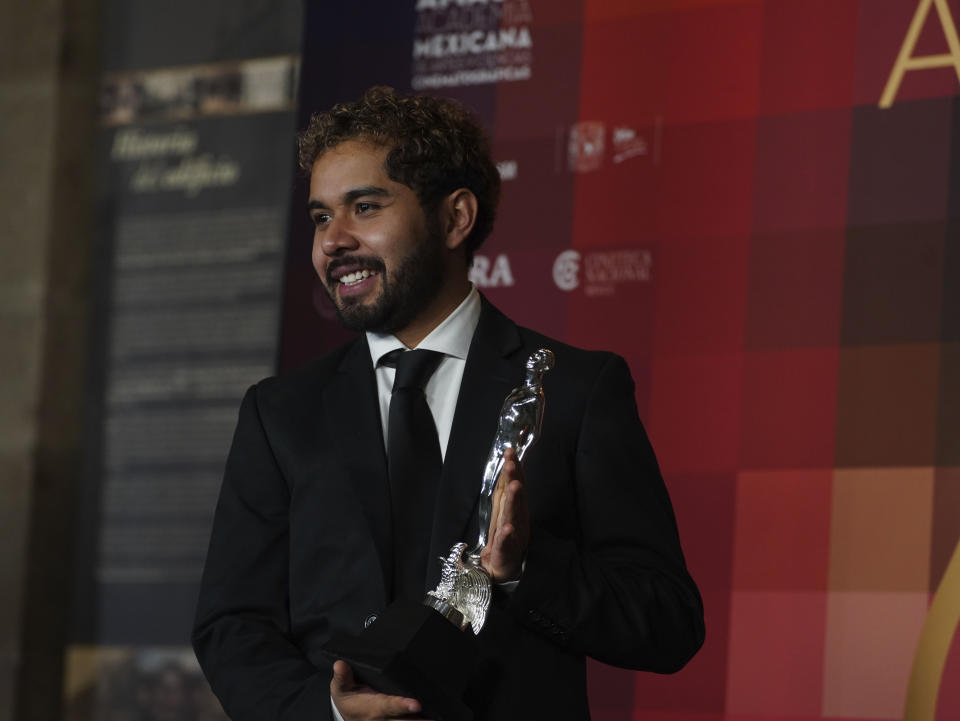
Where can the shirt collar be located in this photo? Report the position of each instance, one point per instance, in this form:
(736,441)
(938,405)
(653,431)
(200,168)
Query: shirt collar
(452,337)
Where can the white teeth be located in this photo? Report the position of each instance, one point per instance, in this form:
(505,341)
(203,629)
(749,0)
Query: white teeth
(354,278)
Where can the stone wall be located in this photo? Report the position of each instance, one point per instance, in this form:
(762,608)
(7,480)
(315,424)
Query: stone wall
(48,80)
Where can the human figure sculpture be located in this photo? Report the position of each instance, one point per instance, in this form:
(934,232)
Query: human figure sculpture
(518,428)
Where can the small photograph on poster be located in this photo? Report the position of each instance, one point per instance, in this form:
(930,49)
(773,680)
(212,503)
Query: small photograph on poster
(256,85)
(137,683)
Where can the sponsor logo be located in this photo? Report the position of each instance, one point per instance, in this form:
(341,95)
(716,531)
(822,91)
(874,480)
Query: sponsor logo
(507,169)
(471,42)
(588,144)
(476,42)
(908,61)
(444,4)
(602,271)
(487,274)
(585,147)
(565,270)
(627,143)
(470,77)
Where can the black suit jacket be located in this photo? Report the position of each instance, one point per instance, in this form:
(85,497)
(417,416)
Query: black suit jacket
(301,547)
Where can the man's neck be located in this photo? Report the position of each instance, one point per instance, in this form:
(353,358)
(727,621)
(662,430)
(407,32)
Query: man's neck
(443,305)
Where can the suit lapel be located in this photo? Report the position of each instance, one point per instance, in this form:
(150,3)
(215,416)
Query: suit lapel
(353,411)
(487,378)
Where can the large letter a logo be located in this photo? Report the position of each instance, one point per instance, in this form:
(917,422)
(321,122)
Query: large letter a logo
(906,59)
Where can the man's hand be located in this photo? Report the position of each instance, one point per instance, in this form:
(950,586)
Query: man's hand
(509,531)
(357,702)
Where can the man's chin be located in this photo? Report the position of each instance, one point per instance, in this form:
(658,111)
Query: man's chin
(362,317)
(352,311)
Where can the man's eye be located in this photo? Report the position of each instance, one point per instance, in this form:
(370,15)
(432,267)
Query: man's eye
(321,219)
(364,208)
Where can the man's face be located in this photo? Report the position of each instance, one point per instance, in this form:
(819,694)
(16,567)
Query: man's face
(378,256)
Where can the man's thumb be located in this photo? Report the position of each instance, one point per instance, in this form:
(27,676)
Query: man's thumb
(342,676)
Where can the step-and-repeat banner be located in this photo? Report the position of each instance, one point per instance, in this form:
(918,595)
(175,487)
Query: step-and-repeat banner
(756,202)
(758,205)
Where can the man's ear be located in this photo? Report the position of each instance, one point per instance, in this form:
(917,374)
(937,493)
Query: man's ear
(459,215)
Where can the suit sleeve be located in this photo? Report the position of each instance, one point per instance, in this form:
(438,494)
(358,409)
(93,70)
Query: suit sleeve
(620,591)
(242,630)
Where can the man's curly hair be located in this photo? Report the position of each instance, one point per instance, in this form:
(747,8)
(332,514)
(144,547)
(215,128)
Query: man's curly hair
(436,146)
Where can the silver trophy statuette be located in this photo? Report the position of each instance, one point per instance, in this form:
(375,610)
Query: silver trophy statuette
(463,594)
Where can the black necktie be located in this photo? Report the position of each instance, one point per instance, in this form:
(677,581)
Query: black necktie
(414,461)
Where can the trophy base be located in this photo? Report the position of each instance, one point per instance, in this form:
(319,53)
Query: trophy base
(412,650)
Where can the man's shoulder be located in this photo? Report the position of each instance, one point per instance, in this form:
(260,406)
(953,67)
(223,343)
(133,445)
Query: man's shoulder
(498,325)
(311,378)
(575,369)
(531,338)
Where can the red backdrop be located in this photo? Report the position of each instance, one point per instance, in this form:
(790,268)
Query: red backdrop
(711,189)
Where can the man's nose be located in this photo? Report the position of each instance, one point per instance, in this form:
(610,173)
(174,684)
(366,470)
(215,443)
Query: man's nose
(338,236)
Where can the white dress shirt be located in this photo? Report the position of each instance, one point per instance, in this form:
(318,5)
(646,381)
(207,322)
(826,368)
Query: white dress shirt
(452,338)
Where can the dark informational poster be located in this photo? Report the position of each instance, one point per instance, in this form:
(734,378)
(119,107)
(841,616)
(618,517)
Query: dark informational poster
(196,160)
(195,280)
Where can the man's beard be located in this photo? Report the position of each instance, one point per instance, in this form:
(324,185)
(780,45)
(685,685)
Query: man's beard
(404,293)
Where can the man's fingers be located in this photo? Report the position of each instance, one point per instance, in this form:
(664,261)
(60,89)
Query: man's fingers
(510,473)
(514,503)
(509,524)
(504,539)
(516,470)
(497,507)
(377,705)
(399,706)
(355,700)
(513,525)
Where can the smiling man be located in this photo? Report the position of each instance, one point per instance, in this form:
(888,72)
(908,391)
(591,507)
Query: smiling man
(387,266)
(325,516)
